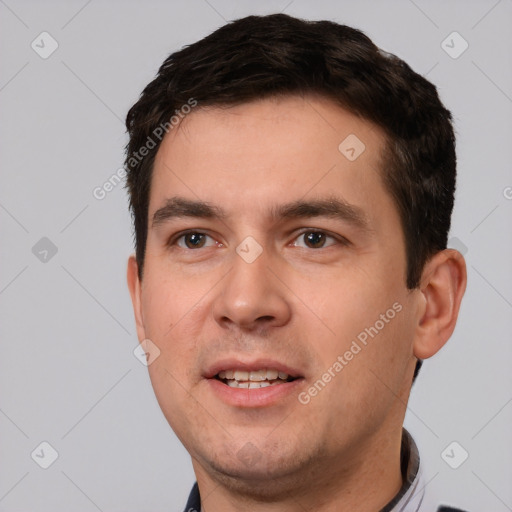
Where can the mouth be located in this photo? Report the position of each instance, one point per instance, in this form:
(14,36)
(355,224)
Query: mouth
(253,379)
(258,383)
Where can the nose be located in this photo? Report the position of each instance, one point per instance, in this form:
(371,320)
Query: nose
(251,297)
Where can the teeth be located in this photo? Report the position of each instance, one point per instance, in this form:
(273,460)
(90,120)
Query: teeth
(254,379)
(273,374)
(255,375)
(250,384)
(258,376)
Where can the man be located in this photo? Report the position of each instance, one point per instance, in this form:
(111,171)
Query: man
(292,187)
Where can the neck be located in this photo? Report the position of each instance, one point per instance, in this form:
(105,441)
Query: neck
(363,481)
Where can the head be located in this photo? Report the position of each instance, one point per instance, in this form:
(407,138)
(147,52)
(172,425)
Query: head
(291,187)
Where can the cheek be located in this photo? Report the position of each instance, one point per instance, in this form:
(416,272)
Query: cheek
(166,300)
(372,377)
(377,375)
(171,323)
(174,397)
(347,305)
(370,329)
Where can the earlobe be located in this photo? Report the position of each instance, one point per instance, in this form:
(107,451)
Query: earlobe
(442,287)
(134,286)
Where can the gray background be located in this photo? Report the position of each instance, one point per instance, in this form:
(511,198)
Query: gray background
(68,374)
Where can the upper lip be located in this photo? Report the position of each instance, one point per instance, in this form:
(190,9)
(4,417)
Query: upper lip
(254,365)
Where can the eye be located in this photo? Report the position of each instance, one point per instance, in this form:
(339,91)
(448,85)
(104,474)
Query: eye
(195,240)
(314,240)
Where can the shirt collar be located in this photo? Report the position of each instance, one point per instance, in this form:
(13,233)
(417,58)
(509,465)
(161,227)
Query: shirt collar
(408,499)
(410,496)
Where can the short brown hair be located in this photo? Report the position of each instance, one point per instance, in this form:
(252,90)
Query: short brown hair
(264,56)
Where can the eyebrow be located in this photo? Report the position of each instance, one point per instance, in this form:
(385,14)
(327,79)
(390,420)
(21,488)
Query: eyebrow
(178,207)
(331,207)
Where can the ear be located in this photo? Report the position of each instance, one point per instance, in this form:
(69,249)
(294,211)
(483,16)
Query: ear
(134,285)
(442,287)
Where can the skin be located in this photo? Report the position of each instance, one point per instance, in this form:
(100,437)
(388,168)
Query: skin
(297,304)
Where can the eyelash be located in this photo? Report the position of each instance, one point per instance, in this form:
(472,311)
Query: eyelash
(338,238)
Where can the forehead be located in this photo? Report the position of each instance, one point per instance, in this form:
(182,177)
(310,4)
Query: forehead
(253,156)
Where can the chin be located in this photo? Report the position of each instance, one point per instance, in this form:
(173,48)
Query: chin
(259,483)
(266,475)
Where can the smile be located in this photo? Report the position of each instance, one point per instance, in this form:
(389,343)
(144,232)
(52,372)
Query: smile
(262,382)
(255,379)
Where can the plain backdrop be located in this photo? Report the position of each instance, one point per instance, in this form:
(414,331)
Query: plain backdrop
(68,375)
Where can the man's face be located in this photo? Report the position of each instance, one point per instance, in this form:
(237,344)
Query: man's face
(296,261)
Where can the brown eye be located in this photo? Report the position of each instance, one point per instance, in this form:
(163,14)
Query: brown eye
(194,240)
(314,240)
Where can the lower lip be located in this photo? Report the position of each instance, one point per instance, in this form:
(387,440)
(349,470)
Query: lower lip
(256,397)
